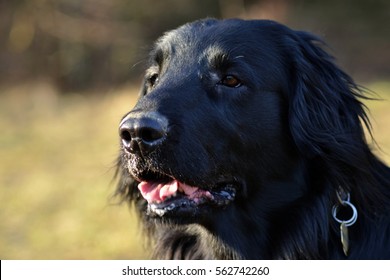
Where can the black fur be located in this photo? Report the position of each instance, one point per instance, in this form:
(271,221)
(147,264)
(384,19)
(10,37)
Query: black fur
(291,133)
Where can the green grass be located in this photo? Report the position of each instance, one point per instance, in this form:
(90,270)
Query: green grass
(57,156)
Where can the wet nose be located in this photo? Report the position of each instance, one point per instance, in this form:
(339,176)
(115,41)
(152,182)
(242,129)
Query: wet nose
(141,133)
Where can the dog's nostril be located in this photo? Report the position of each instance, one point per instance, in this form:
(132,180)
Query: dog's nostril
(125,135)
(143,133)
(149,134)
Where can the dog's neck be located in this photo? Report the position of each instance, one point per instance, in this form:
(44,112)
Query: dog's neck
(277,229)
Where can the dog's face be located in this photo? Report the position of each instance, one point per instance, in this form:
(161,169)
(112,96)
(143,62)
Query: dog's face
(249,129)
(210,99)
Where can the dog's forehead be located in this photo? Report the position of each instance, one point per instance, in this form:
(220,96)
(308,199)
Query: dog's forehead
(210,38)
(199,35)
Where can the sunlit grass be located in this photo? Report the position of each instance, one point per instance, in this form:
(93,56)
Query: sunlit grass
(57,157)
(56,169)
(379,113)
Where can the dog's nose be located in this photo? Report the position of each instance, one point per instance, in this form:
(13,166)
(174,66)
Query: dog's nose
(142,133)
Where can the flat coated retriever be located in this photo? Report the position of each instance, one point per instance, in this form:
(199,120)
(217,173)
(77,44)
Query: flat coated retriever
(247,142)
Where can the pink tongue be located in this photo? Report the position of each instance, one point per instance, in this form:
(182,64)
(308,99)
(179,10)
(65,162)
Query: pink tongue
(157,192)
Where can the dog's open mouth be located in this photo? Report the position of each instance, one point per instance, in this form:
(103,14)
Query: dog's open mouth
(170,196)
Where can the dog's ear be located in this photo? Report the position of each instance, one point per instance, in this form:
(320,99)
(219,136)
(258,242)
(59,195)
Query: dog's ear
(325,114)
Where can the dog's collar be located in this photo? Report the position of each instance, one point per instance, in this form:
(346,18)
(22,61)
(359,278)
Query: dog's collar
(344,200)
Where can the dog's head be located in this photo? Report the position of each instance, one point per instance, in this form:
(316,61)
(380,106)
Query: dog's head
(228,107)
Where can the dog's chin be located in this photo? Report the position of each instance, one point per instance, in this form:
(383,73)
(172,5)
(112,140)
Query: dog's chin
(170,199)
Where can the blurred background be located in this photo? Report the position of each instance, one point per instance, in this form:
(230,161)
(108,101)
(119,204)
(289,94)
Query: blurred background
(70,69)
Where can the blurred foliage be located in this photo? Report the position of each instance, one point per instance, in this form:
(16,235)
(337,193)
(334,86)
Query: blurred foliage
(80,44)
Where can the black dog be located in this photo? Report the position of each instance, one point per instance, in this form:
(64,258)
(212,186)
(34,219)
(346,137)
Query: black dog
(247,142)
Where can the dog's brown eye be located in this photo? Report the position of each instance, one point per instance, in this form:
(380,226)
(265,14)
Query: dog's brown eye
(153,79)
(230,81)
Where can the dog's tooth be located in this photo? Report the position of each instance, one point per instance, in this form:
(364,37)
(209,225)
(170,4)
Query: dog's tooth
(159,212)
(209,195)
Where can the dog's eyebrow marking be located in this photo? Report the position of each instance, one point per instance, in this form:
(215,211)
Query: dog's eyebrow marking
(216,56)
(158,56)
(162,51)
(161,56)
(219,58)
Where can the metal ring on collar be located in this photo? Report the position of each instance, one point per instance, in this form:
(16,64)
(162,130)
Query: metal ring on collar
(354,217)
